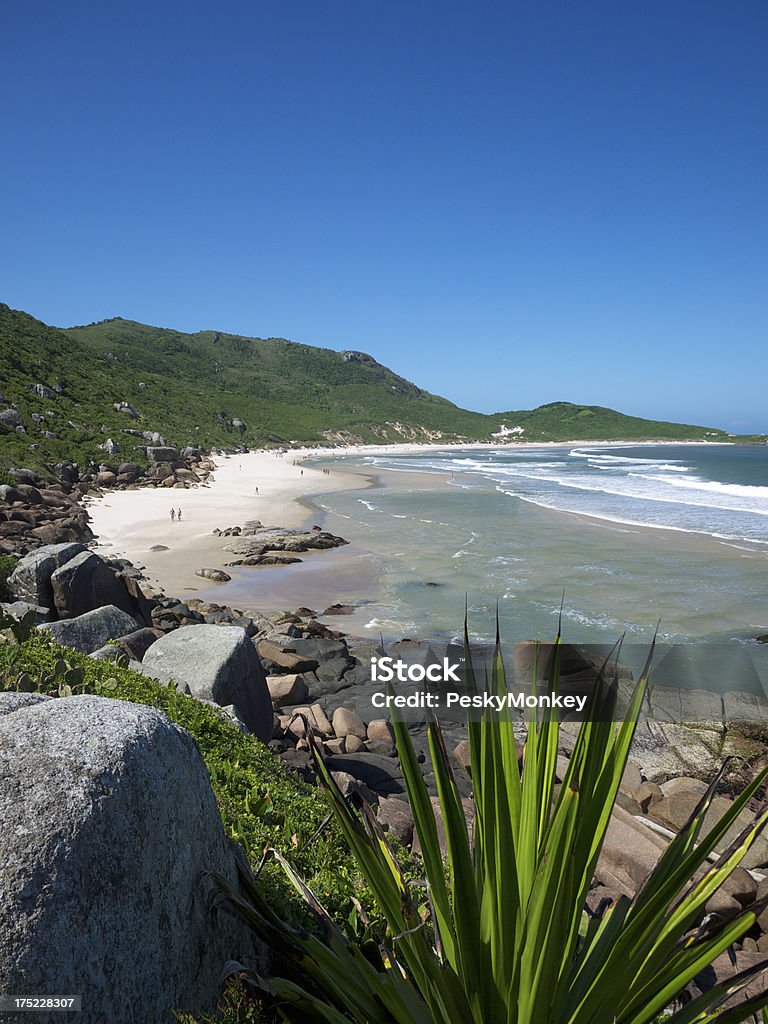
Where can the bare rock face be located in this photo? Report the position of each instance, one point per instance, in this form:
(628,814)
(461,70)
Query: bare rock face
(88,632)
(161,453)
(86,582)
(109,825)
(31,579)
(217,663)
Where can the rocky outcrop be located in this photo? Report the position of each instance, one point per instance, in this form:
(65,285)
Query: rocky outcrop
(37,511)
(88,632)
(257,541)
(86,582)
(31,579)
(66,581)
(109,829)
(217,663)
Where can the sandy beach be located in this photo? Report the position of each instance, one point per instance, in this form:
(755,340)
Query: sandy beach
(262,486)
(131,523)
(272,487)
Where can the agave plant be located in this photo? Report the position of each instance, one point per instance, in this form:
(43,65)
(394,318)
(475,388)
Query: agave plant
(504,936)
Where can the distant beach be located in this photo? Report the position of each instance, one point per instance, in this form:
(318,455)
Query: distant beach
(272,487)
(429,525)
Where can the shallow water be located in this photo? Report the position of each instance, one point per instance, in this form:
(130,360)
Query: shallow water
(631,535)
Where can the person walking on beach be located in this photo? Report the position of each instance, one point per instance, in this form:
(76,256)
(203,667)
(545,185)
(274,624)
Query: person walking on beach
(173,515)
(178,515)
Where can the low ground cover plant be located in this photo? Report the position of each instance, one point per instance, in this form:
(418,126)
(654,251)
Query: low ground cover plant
(261,802)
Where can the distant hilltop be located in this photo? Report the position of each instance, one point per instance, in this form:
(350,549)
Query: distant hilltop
(102,392)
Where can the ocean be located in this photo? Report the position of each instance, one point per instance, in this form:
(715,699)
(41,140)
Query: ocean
(625,537)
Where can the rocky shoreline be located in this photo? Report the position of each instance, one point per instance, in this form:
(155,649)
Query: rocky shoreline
(35,511)
(285,675)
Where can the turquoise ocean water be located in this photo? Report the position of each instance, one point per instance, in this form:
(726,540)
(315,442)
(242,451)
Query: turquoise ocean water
(631,535)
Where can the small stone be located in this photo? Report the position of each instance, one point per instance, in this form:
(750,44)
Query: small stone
(385,748)
(348,723)
(380,729)
(462,757)
(287,689)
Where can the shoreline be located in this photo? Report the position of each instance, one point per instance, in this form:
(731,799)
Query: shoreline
(130,523)
(130,526)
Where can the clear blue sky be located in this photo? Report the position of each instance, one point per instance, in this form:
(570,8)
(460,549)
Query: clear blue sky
(509,202)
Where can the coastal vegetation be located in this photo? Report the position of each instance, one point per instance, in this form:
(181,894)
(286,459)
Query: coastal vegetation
(507,935)
(66,393)
(261,802)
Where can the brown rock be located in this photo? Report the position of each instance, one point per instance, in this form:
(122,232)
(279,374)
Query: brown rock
(270,651)
(678,800)
(396,817)
(348,723)
(348,785)
(722,969)
(741,886)
(461,756)
(647,794)
(723,905)
(380,729)
(629,853)
(386,748)
(287,689)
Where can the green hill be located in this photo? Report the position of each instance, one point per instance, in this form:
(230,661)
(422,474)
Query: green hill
(563,421)
(75,389)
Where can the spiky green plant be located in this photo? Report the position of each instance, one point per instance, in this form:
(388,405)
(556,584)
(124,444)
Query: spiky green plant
(503,936)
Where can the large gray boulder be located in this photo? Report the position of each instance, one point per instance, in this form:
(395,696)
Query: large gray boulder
(86,582)
(31,579)
(103,889)
(88,632)
(10,702)
(217,663)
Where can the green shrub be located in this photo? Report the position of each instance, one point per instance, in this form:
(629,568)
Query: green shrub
(506,937)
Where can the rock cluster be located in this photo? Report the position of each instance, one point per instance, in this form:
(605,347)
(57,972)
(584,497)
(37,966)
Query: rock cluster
(82,600)
(35,511)
(255,544)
